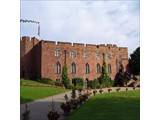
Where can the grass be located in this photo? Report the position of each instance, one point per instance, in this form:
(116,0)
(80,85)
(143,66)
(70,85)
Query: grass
(32,90)
(32,83)
(113,106)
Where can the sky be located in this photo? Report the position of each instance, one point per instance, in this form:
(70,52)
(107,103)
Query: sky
(84,21)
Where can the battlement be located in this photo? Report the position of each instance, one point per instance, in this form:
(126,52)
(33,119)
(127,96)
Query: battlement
(102,45)
(33,41)
(78,44)
(47,41)
(29,40)
(91,45)
(123,48)
(64,43)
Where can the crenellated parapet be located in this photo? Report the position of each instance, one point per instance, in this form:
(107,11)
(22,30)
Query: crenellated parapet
(27,43)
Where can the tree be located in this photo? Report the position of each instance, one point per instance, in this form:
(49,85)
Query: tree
(120,77)
(134,62)
(65,78)
(104,78)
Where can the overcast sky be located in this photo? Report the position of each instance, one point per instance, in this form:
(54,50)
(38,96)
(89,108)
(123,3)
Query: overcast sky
(94,22)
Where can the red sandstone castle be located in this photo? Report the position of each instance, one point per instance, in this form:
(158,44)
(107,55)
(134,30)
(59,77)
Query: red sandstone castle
(45,59)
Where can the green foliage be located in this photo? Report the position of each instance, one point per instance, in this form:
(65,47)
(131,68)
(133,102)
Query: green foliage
(113,106)
(58,83)
(78,83)
(53,115)
(65,78)
(71,86)
(46,81)
(120,79)
(73,94)
(111,83)
(134,62)
(94,84)
(104,79)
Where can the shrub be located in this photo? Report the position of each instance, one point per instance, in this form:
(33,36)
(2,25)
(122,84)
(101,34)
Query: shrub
(58,83)
(73,94)
(78,83)
(71,87)
(109,90)
(104,79)
(100,91)
(46,81)
(26,114)
(53,115)
(66,98)
(79,92)
(73,103)
(118,89)
(94,84)
(111,83)
(65,78)
(94,92)
(66,107)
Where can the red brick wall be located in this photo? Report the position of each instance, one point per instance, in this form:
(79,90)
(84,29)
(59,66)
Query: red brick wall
(30,57)
(42,60)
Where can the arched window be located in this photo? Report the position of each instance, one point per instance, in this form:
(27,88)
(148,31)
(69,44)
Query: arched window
(87,68)
(109,68)
(58,68)
(98,68)
(73,68)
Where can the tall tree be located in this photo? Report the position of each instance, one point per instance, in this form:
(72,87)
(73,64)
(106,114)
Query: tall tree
(65,78)
(120,77)
(134,62)
(104,78)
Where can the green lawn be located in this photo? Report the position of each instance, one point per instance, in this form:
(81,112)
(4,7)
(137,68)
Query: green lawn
(31,90)
(32,83)
(113,106)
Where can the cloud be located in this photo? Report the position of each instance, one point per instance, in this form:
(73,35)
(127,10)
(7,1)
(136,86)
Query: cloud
(96,22)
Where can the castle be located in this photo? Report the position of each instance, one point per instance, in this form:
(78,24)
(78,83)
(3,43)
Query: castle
(45,59)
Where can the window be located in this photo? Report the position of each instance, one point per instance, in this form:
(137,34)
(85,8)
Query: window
(97,55)
(87,69)
(118,64)
(58,68)
(73,54)
(98,68)
(85,54)
(57,52)
(108,56)
(109,68)
(73,68)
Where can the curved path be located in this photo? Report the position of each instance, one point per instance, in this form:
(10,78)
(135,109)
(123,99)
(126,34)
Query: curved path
(39,108)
